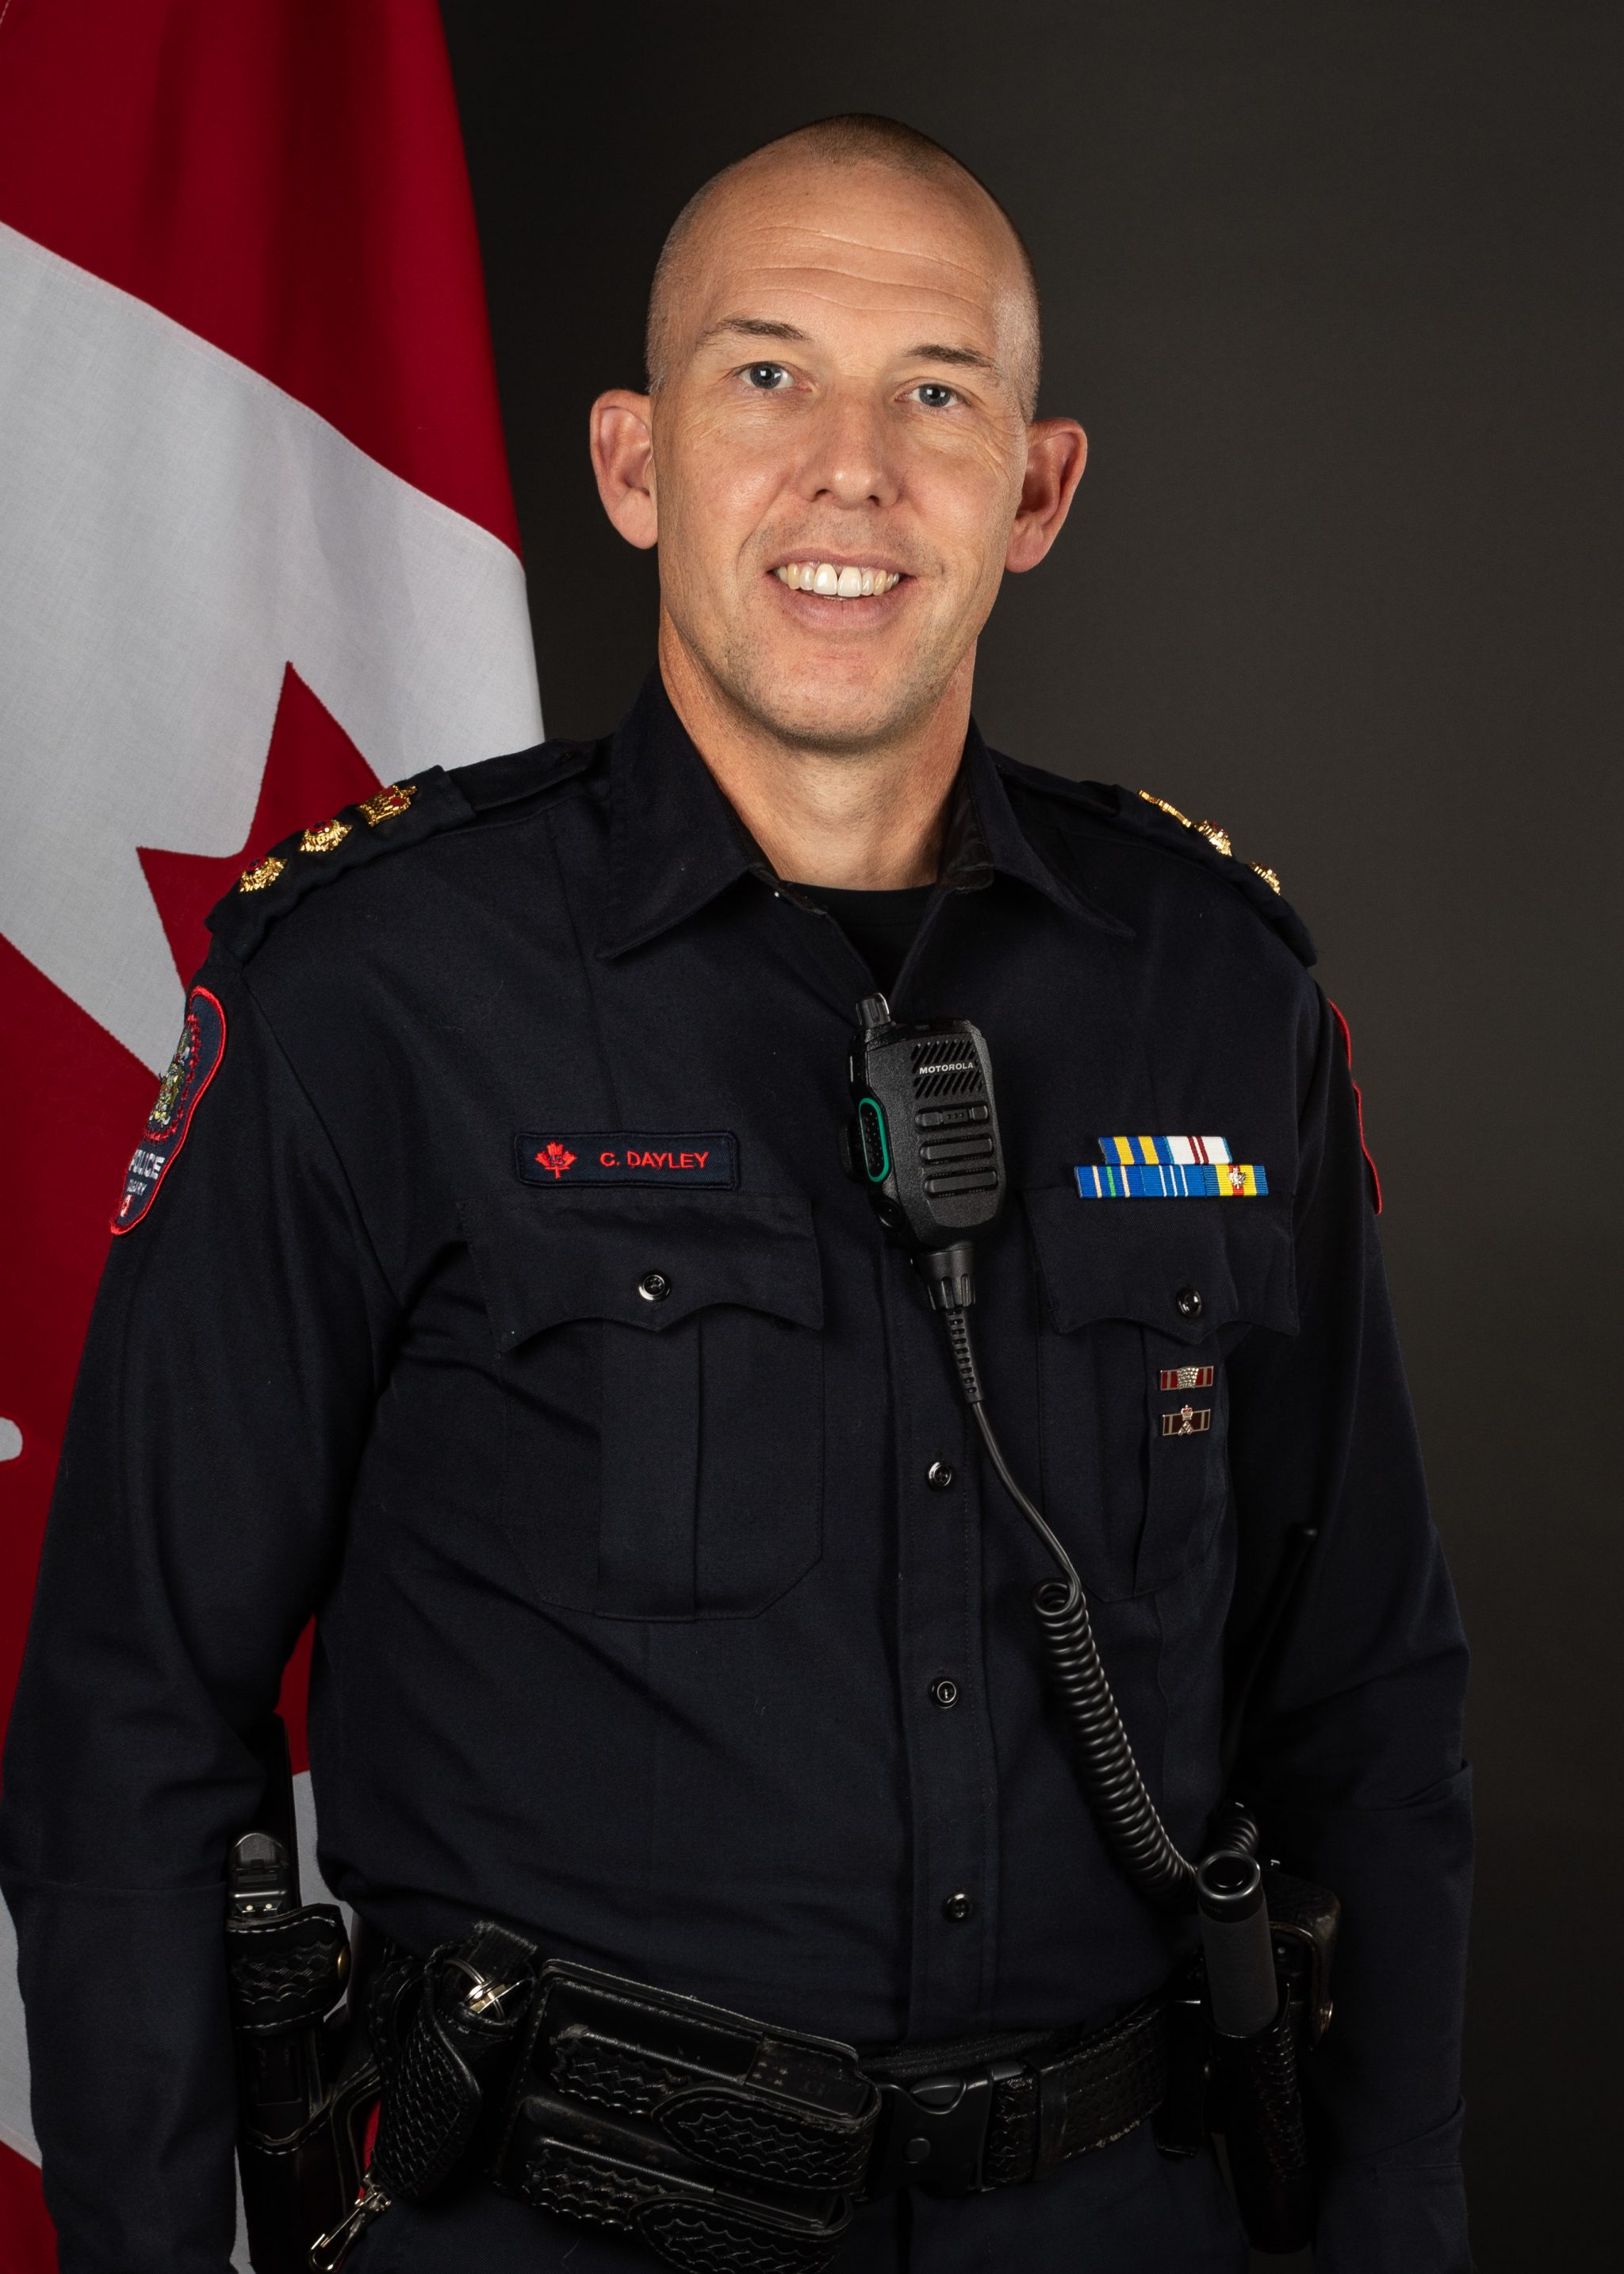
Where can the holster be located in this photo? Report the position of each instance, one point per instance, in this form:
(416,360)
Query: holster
(306,2080)
(1249,2089)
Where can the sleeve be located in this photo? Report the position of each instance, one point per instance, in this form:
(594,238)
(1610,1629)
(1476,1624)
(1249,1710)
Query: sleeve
(1352,1749)
(234,1359)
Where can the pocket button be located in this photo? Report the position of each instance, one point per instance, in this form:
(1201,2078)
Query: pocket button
(654,1286)
(1189,1301)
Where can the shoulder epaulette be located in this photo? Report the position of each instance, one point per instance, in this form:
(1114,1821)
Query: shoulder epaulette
(398,815)
(1205,843)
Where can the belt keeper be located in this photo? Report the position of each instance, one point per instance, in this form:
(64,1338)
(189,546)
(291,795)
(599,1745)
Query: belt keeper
(1051,2117)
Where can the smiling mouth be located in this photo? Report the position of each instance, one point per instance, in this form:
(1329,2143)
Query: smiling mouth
(831,584)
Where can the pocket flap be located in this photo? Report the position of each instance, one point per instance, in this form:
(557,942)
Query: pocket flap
(589,1255)
(1133,1260)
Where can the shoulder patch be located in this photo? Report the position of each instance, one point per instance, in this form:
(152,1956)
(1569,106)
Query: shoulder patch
(1343,1029)
(196,1058)
(1205,843)
(398,815)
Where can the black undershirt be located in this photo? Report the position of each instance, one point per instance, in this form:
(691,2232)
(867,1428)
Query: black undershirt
(881,926)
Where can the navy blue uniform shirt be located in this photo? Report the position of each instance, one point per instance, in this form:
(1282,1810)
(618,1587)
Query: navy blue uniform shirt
(634,1496)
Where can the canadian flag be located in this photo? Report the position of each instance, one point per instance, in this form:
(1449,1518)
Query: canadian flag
(257,555)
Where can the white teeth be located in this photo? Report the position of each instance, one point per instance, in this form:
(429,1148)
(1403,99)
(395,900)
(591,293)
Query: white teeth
(834,584)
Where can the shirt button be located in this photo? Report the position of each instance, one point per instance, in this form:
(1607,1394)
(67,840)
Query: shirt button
(944,1689)
(654,1286)
(939,1476)
(958,1908)
(1189,1301)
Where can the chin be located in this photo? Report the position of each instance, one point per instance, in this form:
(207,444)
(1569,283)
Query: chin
(807,706)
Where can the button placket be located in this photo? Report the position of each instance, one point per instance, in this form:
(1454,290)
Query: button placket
(950,1754)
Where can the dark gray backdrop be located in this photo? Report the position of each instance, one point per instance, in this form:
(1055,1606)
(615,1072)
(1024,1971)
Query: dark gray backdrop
(1336,290)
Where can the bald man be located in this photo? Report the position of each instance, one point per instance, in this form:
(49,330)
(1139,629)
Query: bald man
(536,1266)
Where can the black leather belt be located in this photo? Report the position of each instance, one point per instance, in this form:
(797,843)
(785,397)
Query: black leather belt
(726,2144)
(959,2119)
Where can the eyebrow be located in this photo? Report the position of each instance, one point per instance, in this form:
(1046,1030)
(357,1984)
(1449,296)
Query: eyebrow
(764,327)
(967,359)
(752,328)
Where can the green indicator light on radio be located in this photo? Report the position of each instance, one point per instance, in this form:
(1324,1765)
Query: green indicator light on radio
(876,1152)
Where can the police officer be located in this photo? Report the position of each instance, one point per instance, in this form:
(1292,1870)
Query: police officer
(488,1283)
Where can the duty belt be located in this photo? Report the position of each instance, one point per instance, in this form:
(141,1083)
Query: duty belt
(721,2143)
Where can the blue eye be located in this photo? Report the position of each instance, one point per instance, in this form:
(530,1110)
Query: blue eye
(768,377)
(934,396)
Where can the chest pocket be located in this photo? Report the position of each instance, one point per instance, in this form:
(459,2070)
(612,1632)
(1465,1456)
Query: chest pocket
(1133,1294)
(661,1360)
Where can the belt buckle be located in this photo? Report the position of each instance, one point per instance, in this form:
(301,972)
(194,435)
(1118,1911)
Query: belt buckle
(934,2134)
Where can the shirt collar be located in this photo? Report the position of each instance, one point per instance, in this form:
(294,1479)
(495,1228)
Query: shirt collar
(677,844)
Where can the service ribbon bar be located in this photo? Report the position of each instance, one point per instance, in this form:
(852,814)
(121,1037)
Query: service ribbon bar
(1201,1180)
(1171,1152)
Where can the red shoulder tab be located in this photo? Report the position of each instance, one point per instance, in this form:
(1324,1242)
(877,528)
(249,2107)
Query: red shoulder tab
(1359,1100)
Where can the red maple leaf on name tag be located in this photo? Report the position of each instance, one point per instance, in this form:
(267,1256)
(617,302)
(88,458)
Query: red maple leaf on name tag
(557,1157)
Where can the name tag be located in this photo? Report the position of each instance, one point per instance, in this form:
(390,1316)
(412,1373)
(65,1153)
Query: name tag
(552,1160)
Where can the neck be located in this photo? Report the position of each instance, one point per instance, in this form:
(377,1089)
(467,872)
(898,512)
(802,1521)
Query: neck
(864,820)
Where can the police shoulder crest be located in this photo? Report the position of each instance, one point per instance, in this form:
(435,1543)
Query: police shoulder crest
(196,1058)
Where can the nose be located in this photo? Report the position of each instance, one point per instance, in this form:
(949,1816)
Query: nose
(849,460)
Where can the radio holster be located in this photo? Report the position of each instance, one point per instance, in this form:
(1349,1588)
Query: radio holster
(1247,2089)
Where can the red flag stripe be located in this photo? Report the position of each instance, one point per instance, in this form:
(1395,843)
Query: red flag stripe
(28,2243)
(213,161)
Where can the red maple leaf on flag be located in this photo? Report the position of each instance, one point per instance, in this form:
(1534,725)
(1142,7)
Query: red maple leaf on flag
(312,768)
(557,1157)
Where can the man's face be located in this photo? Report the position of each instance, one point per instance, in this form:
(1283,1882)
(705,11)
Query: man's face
(841,393)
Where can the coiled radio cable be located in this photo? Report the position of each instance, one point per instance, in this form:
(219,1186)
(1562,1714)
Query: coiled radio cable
(1107,1769)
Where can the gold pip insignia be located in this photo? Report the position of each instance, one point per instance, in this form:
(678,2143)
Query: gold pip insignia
(1217,836)
(263,873)
(330,834)
(393,798)
(1186,1377)
(1189,1422)
(1268,875)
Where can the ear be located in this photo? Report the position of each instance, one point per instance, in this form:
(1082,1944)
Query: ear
(1057,450)
(623,461)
